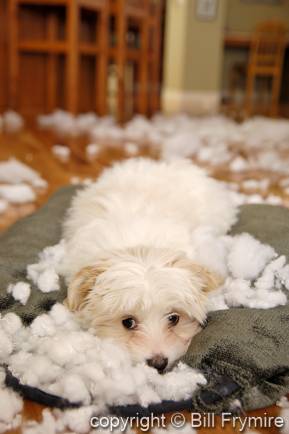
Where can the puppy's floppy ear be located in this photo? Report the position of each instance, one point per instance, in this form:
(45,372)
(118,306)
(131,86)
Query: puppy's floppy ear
(80,286)
(211,279)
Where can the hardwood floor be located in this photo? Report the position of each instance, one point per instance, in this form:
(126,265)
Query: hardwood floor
(34,149)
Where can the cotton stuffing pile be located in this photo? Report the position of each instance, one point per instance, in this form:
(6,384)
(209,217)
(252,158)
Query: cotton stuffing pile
(19,183)
(216,143)
(208,138)
(56,355)
(11,122)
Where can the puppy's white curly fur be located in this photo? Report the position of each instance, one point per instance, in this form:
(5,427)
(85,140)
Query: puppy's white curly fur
(128,240)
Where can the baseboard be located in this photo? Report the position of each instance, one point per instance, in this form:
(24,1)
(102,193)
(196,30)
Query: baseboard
(195,103)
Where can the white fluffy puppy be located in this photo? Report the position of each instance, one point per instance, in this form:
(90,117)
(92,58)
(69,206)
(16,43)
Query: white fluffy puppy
(128,264)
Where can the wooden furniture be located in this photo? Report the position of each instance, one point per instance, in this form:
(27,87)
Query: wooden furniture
(60,52)
(45,53)
(155,32)
(3,56)
(237,82)
(266,60)
(136,45)
(241,40)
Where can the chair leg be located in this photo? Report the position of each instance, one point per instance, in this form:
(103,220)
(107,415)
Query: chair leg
(72,57)
(13,54)
(249,94)
(142,95)
(120,65)
(102,66)
(275,95)
(155,73)
(51,65)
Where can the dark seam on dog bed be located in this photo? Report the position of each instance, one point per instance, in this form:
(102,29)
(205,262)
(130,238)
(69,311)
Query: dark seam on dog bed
(224,387)
(35,394)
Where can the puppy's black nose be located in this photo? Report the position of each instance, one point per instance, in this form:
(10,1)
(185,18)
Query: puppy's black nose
(158,362)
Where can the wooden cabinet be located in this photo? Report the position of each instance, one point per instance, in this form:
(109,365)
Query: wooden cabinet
(61,54)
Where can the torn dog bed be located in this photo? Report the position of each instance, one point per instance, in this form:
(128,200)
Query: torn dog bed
(242,352)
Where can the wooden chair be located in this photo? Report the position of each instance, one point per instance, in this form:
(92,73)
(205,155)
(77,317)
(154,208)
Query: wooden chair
(61,40)
(266,60)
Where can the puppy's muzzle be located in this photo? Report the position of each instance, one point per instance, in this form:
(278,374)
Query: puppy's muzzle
(158,362)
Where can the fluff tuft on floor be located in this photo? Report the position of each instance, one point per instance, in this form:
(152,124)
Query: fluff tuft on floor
(18,183)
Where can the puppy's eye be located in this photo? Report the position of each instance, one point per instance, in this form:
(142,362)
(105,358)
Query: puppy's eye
(173,319)
(129,323)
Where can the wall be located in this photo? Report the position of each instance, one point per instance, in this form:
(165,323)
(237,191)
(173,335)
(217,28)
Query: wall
(242,16)
(196,67)
(174,53)
(193,58)
(204,50)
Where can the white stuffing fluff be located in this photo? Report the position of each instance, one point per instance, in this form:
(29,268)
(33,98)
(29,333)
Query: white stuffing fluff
(11,406)
(20,291)
(61,122)
(55,354)
(48,280)
(254,257)
(85,121)
(14,177)
(74,180)
(284,414)
(3,206)
(256,198)
(12,121)
(181,145)
(210,141)
(43,273)
(61,152)
(239,293)
(10,323)
(14,171)
(43,326)
(238,164)
(254,184)
(107,132)
(92,149)
(253,272)
(6,346)
(66,124)
(131,148)
(75,364)
(17,194)
(283,402)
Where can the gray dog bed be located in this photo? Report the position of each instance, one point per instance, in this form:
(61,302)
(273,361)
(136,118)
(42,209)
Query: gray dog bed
(242,352)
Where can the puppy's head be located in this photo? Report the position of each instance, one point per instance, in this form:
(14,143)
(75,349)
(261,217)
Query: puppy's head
(152,301)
